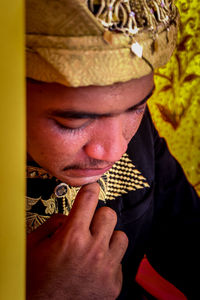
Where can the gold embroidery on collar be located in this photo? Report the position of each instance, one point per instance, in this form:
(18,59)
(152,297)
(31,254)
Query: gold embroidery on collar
(120,179)
(34,220)
(37,172)
(124,177)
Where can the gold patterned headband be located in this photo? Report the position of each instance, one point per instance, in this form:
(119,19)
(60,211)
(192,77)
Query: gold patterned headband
(130,17)
(98,42)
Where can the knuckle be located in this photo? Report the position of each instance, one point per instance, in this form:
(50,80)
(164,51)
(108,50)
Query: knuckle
(108,213)
(76,239)
(122,238)
(72,239)
(99,255)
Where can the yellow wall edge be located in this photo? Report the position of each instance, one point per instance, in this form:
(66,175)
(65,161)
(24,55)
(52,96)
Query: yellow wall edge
(12,151)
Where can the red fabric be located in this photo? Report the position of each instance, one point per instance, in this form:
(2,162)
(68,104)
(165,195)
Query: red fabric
(156,285)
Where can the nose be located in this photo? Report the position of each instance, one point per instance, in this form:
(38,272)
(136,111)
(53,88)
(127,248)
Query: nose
(108,141)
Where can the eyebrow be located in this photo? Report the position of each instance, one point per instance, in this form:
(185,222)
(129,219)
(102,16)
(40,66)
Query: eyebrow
(70,114)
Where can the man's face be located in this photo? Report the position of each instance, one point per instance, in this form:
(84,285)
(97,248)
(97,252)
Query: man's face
(77,134)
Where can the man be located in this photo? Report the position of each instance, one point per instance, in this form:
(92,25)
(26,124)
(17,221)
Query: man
(90,73)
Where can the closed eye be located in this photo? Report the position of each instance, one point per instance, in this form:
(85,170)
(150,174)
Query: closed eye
(138,109)
(71,124)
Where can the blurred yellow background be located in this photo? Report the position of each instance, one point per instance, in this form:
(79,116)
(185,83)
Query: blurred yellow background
(175,106)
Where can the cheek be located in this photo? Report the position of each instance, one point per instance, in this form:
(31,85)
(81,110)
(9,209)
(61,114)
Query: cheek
(132,124)
(47,143)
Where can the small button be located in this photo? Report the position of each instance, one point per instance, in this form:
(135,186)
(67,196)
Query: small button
(61,190)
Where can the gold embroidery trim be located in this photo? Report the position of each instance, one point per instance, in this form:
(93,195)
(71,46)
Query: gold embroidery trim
(122,178)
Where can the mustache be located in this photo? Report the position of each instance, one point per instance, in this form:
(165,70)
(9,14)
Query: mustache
(89,164)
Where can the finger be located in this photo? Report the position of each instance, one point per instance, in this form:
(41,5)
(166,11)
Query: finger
(118,245)
(103,224)
(47,229)
(84,206)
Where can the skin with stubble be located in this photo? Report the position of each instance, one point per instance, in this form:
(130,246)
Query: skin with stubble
(77,134)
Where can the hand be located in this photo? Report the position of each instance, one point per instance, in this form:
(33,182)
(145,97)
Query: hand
(79,256)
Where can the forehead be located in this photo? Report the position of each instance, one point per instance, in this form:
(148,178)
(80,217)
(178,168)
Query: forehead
(101,99)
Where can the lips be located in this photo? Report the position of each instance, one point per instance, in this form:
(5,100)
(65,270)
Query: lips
(87,172)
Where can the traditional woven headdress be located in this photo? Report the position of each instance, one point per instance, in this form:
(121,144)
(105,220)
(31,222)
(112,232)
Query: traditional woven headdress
(98,42)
